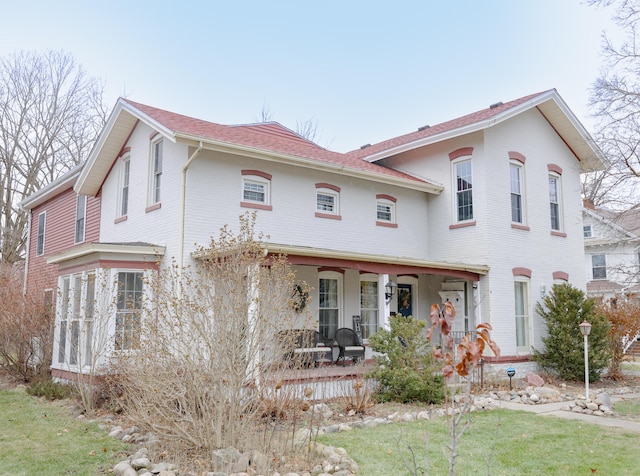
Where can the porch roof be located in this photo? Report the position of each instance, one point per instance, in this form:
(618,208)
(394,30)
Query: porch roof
(135,251)
(374,263)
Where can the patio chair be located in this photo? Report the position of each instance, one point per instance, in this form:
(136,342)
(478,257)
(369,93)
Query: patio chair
(349,345)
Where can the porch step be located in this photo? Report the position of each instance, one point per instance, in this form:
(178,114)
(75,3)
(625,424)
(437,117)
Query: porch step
(634,349)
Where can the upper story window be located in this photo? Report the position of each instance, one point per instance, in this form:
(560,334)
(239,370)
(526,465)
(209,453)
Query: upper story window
(125,167)
(156,170)
(81,218)
(256,189)
(555,197)
(599,266)
(327,201)
(587,231)
(42,219)
(386,210)
(463,187)
(516,169)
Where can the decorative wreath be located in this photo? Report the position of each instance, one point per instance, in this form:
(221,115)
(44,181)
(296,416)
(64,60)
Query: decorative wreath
(299,298)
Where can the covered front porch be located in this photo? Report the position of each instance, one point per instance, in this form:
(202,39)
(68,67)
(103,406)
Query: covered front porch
(361,291)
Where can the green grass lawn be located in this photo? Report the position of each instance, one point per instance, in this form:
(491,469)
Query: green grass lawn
(41,438)
(499,442)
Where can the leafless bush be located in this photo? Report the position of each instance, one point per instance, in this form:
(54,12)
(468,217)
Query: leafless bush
(208,355)
(26,328)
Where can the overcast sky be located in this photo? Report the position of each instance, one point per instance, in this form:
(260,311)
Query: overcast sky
(365,71)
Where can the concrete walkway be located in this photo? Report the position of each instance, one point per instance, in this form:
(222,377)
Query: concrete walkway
(554,409)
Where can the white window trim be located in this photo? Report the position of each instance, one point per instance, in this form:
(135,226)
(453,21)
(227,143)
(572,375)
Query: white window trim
(124,181)
(526,348)
(336,201)
(340,279)
(76,238)
(558,181)
(587,230)
(384,202)
(255,179)
(369,277)
(593,278)
(155,189)
(523,202)
(454,180)
(40,249)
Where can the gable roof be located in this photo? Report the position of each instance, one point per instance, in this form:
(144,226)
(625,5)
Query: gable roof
(626,223)
(270,141)
(548,103)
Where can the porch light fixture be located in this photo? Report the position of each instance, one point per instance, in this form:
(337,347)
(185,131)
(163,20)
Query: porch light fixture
(585,330)
(389,290)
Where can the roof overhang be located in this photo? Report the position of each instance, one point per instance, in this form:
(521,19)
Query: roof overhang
(91,252)
(229,148)
(550,105)
(366,262)
(52,189)
(124,118)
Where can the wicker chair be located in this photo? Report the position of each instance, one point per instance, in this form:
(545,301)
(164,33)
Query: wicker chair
(349,345)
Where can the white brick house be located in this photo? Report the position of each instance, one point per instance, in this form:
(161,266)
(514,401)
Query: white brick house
(484,210)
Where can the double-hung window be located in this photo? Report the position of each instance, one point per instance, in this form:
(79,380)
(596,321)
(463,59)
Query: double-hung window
(128,312)
(156,170)
(125,167)
(256,189)
(329,288)
(63,307)
(463,187)
(521,291)
(385,210)
(517,200)
(587,231)
(555,198)
(599,266)
(327,201)
(81,218)
(368,306)
(42,220)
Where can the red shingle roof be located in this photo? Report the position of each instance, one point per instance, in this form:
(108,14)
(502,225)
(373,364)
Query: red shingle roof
(451,125)
(269,136)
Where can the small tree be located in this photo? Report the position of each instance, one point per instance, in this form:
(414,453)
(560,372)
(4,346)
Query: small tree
(624,324)
(563,309)
(458,360)
(406,370)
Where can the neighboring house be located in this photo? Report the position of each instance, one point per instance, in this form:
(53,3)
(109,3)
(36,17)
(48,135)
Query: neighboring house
(612,252)
(484,211)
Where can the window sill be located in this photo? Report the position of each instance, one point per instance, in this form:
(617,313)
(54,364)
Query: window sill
(517,226)
(120,219)
(155,206)
(387,224)
(259,206)
(558,233)
(329,216)
(462,225)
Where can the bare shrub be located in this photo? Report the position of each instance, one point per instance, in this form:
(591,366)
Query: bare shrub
(26,328)
(208,356)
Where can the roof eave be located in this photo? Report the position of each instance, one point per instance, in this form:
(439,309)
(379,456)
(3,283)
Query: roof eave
(51,190)
(246,151)
(105,248)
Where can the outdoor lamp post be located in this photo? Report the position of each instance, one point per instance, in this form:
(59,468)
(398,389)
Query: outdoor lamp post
(585,330)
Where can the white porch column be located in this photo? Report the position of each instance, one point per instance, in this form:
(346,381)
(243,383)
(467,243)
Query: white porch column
(383,305)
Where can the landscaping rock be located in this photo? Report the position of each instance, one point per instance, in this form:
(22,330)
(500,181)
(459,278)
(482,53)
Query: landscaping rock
(534,380)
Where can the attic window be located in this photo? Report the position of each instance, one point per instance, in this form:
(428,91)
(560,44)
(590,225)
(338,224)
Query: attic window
(496,104)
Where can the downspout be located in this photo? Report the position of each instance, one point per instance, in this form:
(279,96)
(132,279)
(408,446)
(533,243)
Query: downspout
(183,204)
(26,261)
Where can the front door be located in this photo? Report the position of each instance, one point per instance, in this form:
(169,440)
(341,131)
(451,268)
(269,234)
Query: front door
(405,300)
